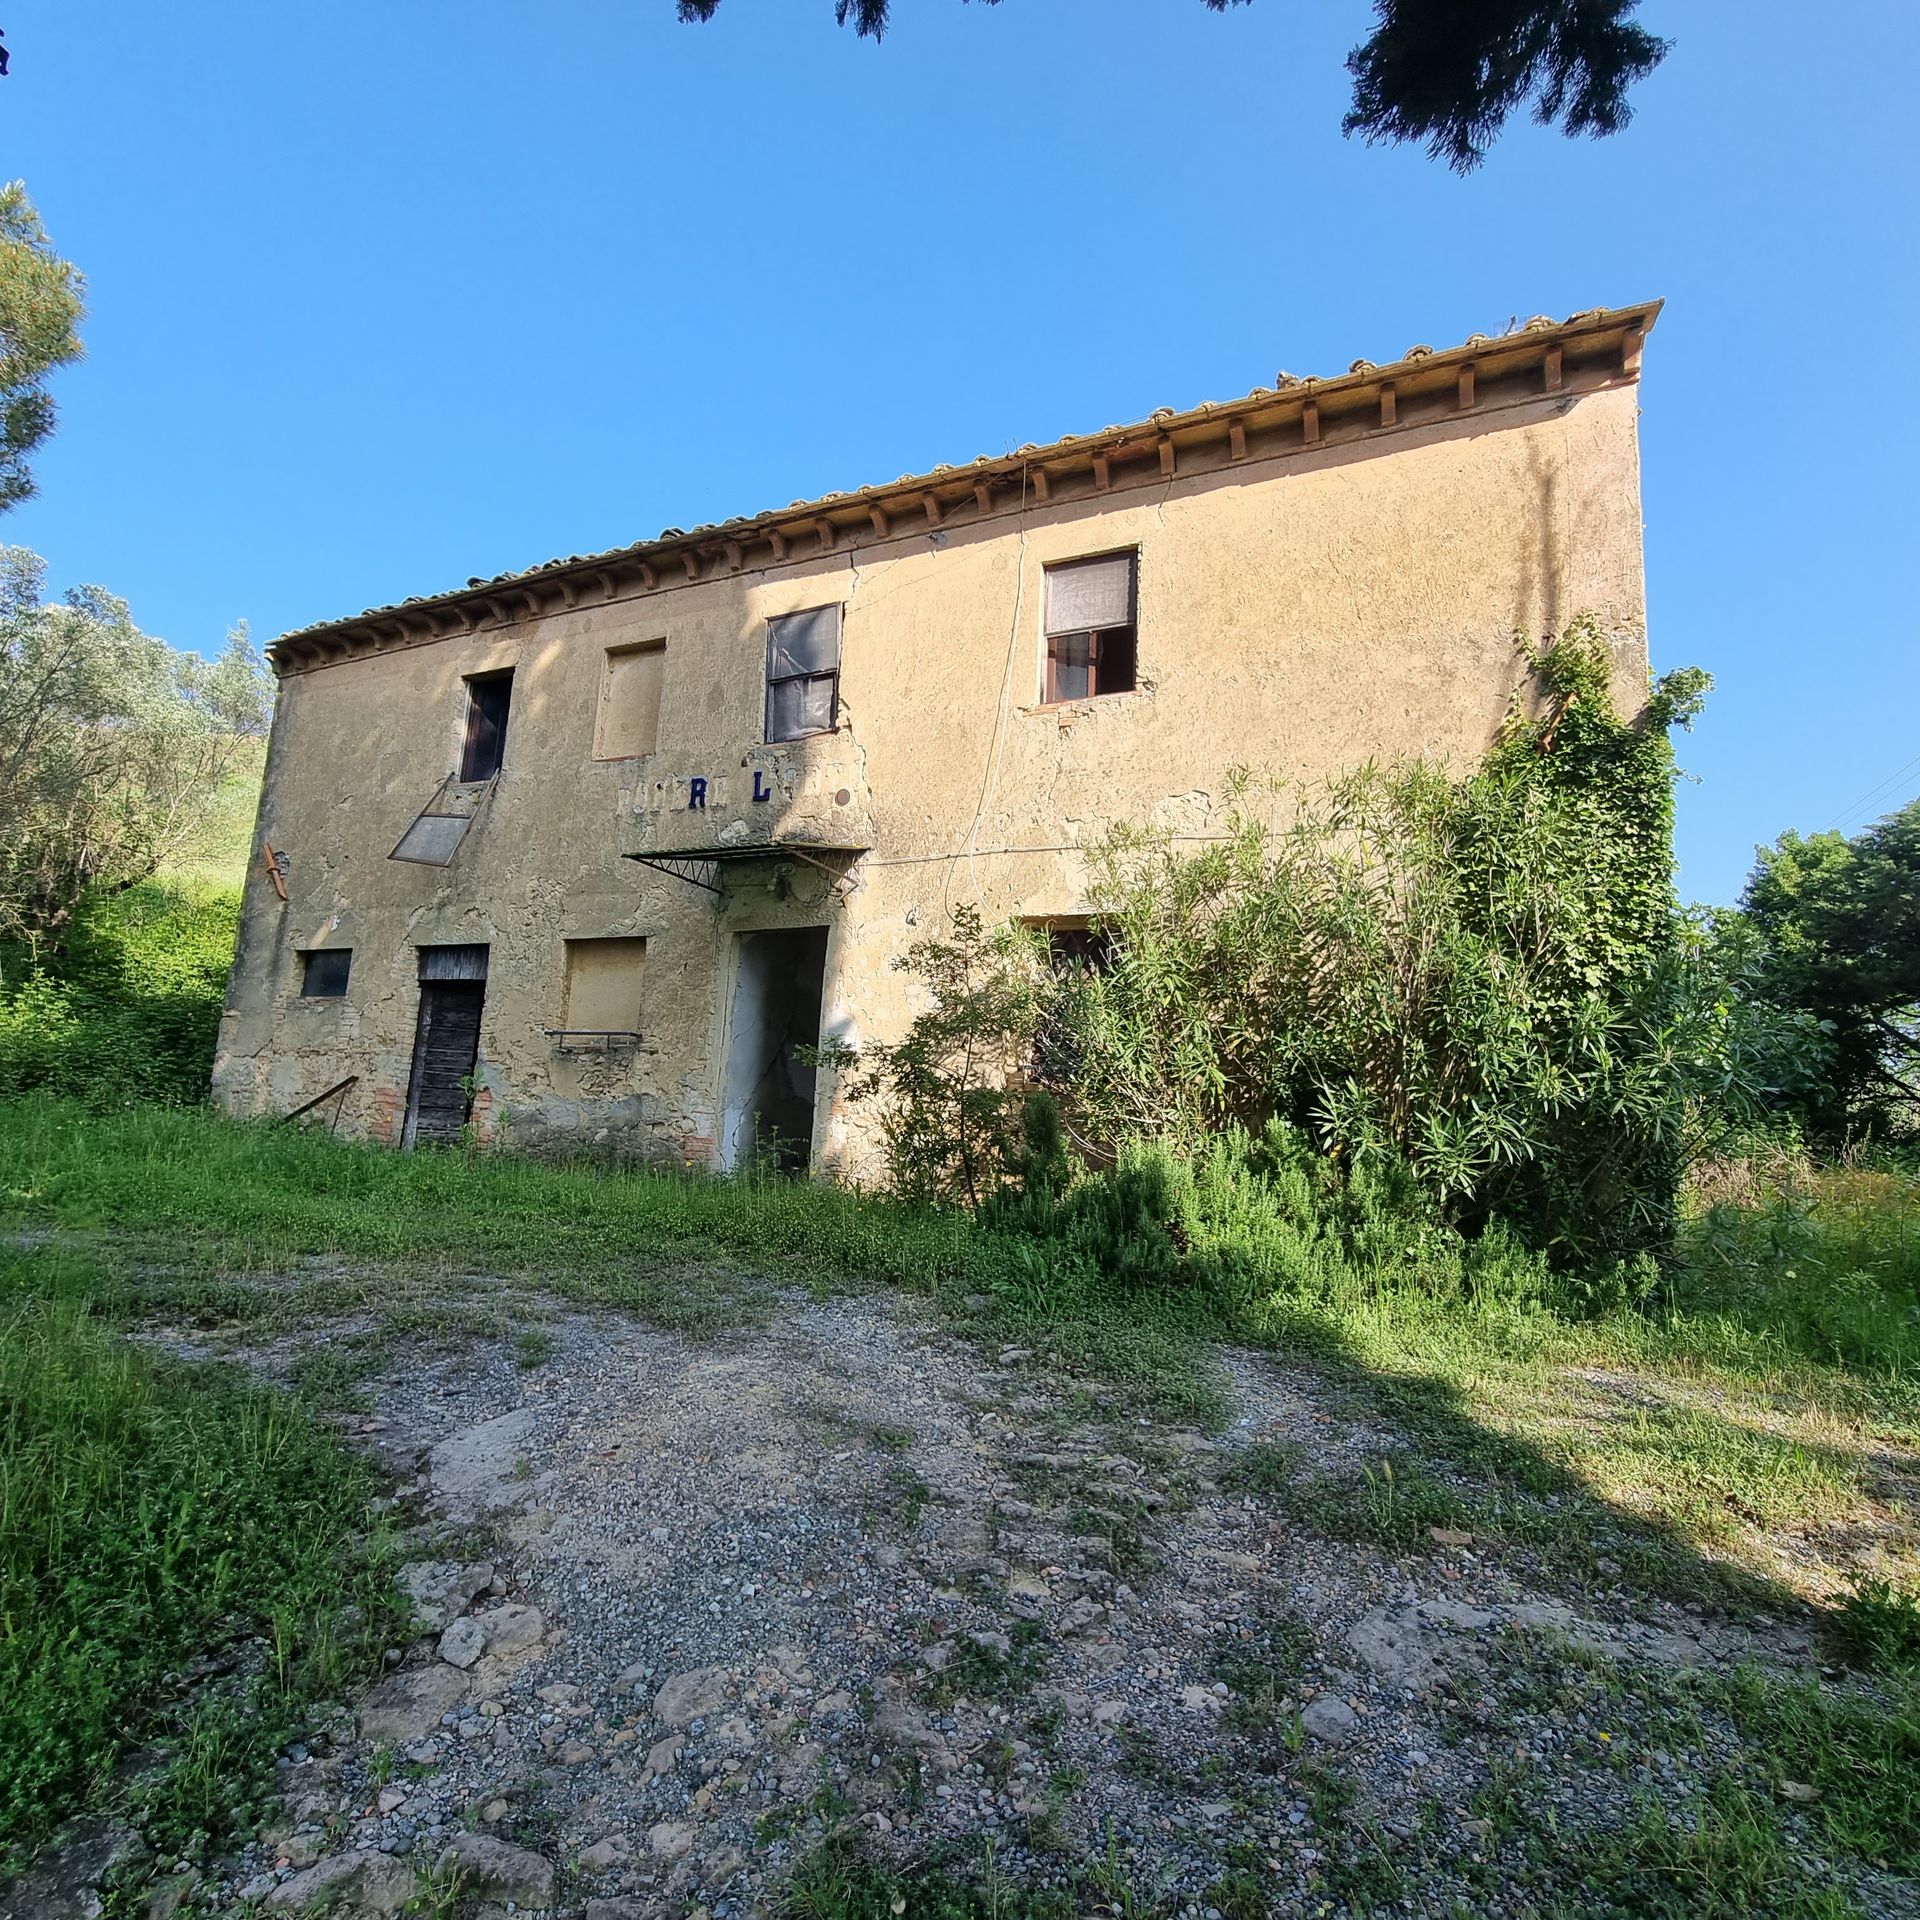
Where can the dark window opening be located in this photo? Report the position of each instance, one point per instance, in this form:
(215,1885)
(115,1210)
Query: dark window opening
(803,673)
(1091,646)
(1075,950)
(488,698)
(323,973)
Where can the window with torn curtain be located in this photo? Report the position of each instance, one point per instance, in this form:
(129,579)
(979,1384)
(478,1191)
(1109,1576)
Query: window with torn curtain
(1090,627)
(803,673)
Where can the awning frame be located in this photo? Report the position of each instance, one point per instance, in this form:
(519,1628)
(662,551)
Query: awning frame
(700,866)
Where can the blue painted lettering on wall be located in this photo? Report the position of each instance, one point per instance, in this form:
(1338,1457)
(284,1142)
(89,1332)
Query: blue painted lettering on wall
(696,792)
(761,791)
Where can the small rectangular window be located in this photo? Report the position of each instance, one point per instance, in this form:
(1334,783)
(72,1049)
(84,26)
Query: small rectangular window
(1074,948)
(629,720)
(489,695)
(323,973)
(1090,627)
(803,673)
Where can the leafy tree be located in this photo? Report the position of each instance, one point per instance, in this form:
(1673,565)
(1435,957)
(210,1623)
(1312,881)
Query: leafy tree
(1449,72)
(40,312)
(1839,924)
(112,745)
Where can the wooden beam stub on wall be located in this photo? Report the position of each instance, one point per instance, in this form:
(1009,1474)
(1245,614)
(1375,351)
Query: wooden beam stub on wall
(1553,370)
(1389,404)
(1169,459)
(1310,423)
(1040,485)
(881,525)
(824,528)
(983,496)
(931,503)
(691,561)
(1464,398)
(1102,472)
(1236,439)
(778,542)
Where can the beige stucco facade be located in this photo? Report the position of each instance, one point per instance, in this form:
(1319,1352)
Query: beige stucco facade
(1327,572)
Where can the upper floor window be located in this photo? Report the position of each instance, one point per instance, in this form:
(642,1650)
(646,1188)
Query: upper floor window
(489,695)
(1090,627)
(803,673)
(323,973)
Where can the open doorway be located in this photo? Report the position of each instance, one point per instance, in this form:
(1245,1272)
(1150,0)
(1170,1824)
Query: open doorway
(778,982)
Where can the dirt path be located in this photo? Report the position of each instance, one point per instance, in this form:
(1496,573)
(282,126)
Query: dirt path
(697,1606)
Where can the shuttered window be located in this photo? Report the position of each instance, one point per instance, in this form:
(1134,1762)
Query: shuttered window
(1090,627)
(803,673)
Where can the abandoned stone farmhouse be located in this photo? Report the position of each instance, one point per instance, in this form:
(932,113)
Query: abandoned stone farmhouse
(596,851)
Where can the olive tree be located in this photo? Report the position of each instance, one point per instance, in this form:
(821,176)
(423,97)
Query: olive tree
(112,745)
(40,313)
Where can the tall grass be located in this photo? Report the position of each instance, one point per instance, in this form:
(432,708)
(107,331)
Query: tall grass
(151,1513)
(1825,1261)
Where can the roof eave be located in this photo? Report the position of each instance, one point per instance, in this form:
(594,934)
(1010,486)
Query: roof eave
(1581,344)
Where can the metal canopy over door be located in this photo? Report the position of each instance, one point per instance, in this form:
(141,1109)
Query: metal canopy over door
(446,1042)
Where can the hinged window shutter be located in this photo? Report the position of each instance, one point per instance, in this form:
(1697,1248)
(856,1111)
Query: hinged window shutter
(1087,595)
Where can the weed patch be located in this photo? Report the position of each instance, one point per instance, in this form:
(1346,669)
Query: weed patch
(154,1515)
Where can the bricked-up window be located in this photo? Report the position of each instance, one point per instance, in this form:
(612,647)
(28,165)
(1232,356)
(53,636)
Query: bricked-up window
(1090,627)
(489,695)
(629,719)
(323,973)
(603,984)
(803,673)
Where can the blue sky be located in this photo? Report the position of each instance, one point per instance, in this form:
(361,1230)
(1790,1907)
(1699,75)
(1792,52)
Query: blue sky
(391,292)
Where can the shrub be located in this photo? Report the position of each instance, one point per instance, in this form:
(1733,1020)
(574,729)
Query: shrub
(128,1012)
(1461,1002)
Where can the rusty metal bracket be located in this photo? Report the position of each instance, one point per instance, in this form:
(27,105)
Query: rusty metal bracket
(628,1037)
(339,1086)
(676,868)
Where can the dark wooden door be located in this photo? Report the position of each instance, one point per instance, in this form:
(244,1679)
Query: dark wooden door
(446,1044)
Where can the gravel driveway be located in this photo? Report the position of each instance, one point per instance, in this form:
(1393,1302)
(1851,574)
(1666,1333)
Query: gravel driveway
(692,1606)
